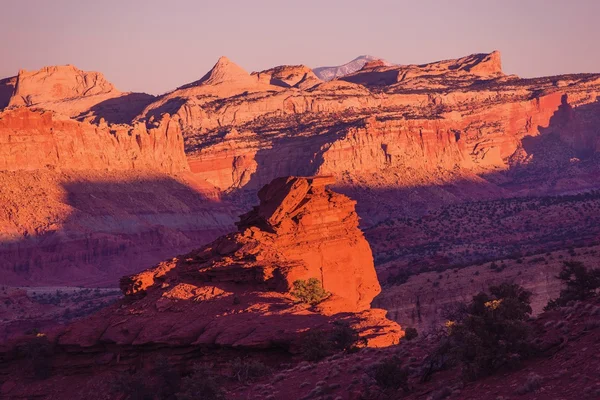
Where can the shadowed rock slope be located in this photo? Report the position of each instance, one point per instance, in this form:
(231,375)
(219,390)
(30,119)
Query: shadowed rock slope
(228,299)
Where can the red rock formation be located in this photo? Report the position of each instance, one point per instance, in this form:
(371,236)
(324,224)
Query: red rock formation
(7,88)
(58,83)
(73,93)
(32,140)
(479,65)
(236,290)
(330,73)
(288,76)
(434,124)
(79,201)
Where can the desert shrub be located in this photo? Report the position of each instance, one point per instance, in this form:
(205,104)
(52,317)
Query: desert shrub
(166,378)
(310,291)
(159,383)
(493,333)
(133,386)
(488,334)
(390,375)
(345,338)
(246,370)
(580,282)
(320,343)
(38,352)
(410,333)
(201,384)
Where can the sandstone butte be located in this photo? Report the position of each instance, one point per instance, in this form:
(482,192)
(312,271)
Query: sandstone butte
(235,291)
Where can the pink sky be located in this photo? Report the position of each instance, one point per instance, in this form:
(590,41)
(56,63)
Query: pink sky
(155,46)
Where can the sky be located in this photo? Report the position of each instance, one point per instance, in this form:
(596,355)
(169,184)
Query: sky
(155,46)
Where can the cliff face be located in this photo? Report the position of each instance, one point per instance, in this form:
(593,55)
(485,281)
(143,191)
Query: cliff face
(434,124)
(236,290)
(31,140)
(73,93)
(79,202)
(58,83)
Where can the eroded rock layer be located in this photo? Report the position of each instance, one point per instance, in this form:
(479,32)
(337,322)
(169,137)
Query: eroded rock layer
(83,203)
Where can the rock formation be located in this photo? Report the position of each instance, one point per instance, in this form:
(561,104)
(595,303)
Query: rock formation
(7,88)
(330,73)
(80,201)
(73,93)
(289,76)
(415,126)
(236,290)
(477,65)
(31,140)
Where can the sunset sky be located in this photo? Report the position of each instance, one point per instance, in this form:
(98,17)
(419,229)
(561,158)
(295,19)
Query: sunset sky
(155,46)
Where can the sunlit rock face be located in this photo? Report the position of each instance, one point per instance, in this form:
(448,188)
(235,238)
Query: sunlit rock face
(384,127)
(236,291)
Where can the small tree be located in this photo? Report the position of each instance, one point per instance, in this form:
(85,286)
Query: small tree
(320,343)
(581,284)
(390,375)
(492,334)
(309,292)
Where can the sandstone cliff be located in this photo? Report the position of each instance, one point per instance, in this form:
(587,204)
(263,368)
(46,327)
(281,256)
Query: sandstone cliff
(31,140)
(430,126)
(80,201)
(73,93)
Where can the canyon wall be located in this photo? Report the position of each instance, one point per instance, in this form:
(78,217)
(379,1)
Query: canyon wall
(83,203)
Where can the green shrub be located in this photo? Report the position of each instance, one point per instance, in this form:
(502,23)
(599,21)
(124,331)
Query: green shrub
(493,333)
(320,343)
(580,282)
(345,338)
(133,386)
(309,292)
(38,352)
(487,335)
(246,370)
(316,345)
(390,375)
(161,382)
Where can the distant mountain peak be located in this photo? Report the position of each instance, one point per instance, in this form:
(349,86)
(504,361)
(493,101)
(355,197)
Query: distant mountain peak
(223,71)
(329,73)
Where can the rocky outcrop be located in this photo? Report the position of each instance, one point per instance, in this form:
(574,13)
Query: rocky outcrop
(476,65)
(72,92)
(299,231)
(289,76)
(31,140)
(7,88)
(236,290)
(330,73)
(51,84)
(430,125)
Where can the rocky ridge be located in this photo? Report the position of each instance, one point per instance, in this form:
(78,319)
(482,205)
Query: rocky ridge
(330,73)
